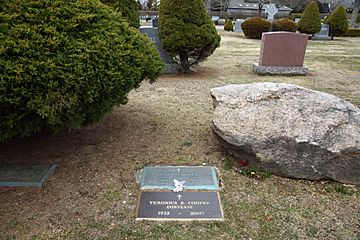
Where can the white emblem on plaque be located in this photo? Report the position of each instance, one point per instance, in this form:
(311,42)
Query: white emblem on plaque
(179,186)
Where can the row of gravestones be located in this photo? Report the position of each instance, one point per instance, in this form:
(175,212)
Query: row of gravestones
(170,65)
(173,67)
(323,34)
(270,10)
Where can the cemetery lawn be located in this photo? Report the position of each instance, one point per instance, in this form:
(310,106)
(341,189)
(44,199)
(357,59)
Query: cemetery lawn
(93,193)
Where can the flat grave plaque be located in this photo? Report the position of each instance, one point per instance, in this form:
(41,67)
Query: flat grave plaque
(179,206)
(24,175)
(195,178)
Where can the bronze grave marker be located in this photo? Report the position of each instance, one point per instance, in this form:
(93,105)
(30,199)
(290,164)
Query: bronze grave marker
(157,205)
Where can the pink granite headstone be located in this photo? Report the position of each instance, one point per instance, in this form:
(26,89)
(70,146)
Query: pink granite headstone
(283,49)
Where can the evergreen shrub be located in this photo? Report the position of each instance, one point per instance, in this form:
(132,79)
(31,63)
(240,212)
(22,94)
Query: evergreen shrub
(65,63)
(128,10)
(310,22)
(338,22)
(284,24)
(254,27)
(186,32)
(229,26)
(293,16)
(352,32)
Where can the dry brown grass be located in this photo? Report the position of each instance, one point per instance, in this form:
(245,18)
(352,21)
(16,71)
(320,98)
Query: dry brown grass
(92,194)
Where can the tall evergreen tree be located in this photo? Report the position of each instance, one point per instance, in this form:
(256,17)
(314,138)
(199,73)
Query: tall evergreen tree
(310,22)
(338,22)
(127,8)
(187,32)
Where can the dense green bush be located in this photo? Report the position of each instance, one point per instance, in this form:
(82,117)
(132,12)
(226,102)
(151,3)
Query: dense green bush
(310,22)
(229,26)
(128,10)
(254,27)
(352,32)
(284,24)
(186,31)
(338,22)
(293,16)
(65,63)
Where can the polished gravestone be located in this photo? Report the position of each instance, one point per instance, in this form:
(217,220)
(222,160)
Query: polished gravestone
(155,22)
(282,53)
(323,34)
(152,33)
(194,178)
(179,206)
(24,175)
(238,23)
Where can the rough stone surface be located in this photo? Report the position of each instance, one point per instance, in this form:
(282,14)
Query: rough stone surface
(283,49)
(268,70)
(289,130)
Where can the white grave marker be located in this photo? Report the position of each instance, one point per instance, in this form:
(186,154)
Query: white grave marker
(271,10)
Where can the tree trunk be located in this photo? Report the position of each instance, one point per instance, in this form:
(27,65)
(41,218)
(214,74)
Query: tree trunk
(184,62)
(353,16)
(260,8)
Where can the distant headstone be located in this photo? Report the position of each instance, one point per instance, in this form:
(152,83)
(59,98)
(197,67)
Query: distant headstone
(155,22)
(152,33)
(221,22)
(282,53)
(323,34)
(271,10)
(215,18)
(24,175)
(238,23)
(179,206)
(194,178)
